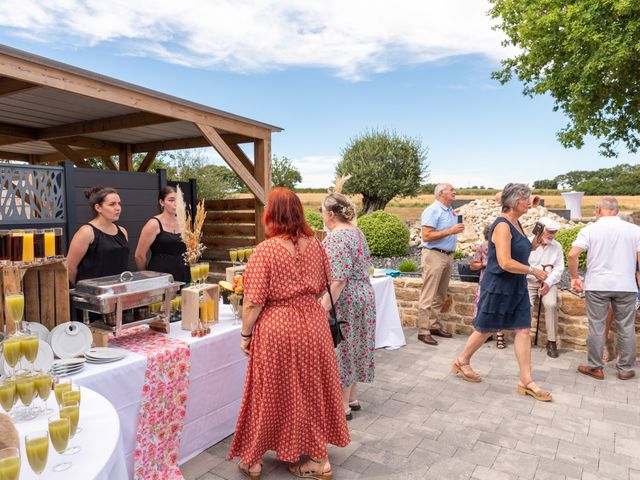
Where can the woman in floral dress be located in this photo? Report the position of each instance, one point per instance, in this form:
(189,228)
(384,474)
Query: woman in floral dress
(350,260)
(292,400)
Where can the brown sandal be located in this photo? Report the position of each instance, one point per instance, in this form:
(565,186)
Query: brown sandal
(250,475)
(538,394)
(469,375)
(301,470)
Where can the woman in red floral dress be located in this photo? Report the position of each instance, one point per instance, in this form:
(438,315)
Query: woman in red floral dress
(292,401)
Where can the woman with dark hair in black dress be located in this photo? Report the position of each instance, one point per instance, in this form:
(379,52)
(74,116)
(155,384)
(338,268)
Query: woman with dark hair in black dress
(100,247)
(162,236)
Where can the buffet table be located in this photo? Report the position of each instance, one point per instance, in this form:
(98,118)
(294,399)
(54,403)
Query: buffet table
(215,387)
(102,455)
(389,332)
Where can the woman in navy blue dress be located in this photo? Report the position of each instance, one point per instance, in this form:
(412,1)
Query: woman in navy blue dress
(504,301)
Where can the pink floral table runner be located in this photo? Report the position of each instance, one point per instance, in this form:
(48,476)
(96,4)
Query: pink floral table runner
(164,401)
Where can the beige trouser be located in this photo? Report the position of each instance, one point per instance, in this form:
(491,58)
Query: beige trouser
(550,304)
(436,272)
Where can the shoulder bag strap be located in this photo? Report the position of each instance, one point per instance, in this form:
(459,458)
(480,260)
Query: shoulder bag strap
(326,279)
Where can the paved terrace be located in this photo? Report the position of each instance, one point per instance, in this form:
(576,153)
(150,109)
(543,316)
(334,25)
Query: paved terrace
(418,421)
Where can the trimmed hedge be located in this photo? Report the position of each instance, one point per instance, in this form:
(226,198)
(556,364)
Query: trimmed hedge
(313,218)
(386,234)
(566,238)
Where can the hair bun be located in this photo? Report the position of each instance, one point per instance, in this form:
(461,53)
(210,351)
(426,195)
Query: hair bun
(90,191)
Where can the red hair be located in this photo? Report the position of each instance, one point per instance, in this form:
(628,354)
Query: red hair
(284,216)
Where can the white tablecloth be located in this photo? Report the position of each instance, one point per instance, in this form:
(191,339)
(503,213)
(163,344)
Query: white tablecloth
(215,387)
(102,455)
(389,332)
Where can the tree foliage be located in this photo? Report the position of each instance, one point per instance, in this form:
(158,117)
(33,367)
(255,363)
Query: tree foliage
(283,173)
(623,179)
(545,184)
(584,53)
(382,165)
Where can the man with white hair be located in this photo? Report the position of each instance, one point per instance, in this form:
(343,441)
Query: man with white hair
(439,229)
(550,258)
(613,251)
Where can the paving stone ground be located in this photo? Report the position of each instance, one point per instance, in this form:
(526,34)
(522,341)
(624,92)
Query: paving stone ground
(420,422)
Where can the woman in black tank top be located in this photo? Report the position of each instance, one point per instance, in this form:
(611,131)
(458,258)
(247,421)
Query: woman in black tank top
(161,235)
(100,247)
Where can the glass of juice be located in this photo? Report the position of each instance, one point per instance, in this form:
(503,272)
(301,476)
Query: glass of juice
(233,255)
(211,310)
(43,383)
(5,247)
(241,255)
(202,310)
(37,446)
(16,246)
(59,241)
(50,243)
(9,463)
(60,388)
(8,394)
(14,305)
(26,389)
(59,431)
(194,271)
(72,395)
(38,245)
(29,347)
(27,246)
(205,271)
(71,410)
(12,350)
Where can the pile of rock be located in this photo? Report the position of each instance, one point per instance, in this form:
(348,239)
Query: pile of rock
(479,213)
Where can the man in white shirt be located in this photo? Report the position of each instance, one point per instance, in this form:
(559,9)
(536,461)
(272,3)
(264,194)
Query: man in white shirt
(613,250)
(548,257)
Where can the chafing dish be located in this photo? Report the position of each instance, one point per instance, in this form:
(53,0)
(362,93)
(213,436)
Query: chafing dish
(123,301)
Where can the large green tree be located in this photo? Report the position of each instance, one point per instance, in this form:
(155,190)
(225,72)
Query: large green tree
(283,173)
(584,53)
(383,164)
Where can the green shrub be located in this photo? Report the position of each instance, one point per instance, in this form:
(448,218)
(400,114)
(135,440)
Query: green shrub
(386,234)
(458,255)
(313,218)
(566,238)
(407,265)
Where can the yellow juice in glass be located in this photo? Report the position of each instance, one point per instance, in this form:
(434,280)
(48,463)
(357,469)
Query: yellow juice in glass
(60,389)
(12,351)
(7,394)
(204,271)
(26,388)
(195,271)
(71,396)
(211,310)
(59,433)
(203,312)
(14,304)
(10,468)
(247,253)
(27,246)
(49,244)
(241,254)
(37,453)
(72,412)
(233,255)
(29,347)
(43,385)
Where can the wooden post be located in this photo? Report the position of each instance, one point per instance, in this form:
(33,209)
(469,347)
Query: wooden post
(126,164)
(262,161)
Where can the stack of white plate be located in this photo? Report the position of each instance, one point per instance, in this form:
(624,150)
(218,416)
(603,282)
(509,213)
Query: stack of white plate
(104,354)
(70,339)
(67,366)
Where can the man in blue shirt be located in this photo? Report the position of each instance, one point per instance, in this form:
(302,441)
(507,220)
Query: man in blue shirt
(439,229)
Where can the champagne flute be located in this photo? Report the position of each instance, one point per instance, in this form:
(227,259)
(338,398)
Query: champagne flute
(73,395)
(26,388)
(241,255)
(233,255)
(43,383)
(60,388)
(9,463)
(37,446)
(234,300)
(29,347)
(195,271)
(59,430)
(12,350)
(8,394)
(14,305)
(71,409)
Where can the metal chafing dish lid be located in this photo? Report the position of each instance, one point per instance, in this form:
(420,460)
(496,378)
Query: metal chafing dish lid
(127,282)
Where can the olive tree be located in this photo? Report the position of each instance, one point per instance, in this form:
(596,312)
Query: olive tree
(382,165)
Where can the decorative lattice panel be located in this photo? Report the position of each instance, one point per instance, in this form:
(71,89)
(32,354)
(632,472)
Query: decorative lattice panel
(34,194)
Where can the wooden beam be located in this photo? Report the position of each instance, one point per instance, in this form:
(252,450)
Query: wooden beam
(93,143)
(148,160)
(10,130)
(126,163)
(9,86)
(183,143)
(108,161)
(91,85)
(232,160)
(14,156)
(120,122)
(56,157)
(262,158)
(70,154)
(242,157)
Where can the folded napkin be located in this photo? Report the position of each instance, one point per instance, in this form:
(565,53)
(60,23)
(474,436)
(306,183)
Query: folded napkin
(392,273)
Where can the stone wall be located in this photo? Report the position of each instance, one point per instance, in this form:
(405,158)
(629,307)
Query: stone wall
(457,313)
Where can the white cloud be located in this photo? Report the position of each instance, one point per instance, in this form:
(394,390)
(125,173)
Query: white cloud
(354,38)
(318,171)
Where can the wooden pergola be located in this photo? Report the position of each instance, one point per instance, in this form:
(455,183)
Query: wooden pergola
(50,111)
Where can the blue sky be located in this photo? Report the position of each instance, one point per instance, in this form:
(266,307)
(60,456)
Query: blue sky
(325,72)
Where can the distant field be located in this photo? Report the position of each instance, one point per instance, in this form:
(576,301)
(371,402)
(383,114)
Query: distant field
(409,209)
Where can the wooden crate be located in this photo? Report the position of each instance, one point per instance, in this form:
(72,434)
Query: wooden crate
(191,297)
(46,292)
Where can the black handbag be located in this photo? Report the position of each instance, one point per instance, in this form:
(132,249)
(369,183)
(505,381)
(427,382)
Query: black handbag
(334,323)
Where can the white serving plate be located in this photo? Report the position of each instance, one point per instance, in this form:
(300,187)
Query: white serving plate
(43,360)
(38,329)
(71,339)
(105,353)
